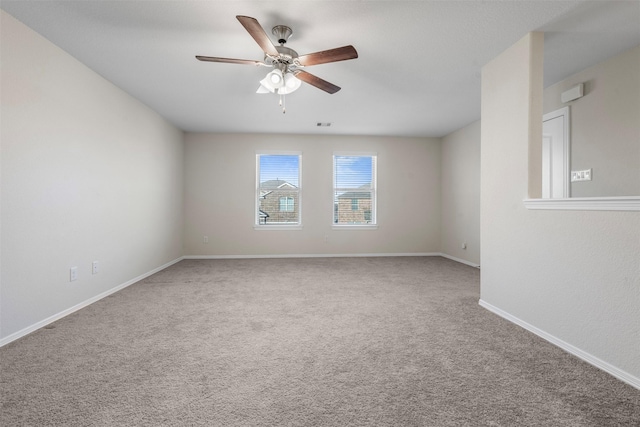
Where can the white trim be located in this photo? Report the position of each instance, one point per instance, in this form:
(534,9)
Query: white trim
(622,203)
(279,152)
(359,255)
(460,260)
(356,153)
(373,190)
(354,227)
(416,254)
(68,311)
(256,218)
(581,354)
(273,227)
(29,329)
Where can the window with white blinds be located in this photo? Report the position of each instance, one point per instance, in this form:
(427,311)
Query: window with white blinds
(354,189)
(278,189)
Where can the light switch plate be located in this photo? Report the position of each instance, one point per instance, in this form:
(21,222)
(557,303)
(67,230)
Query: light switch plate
(584,175)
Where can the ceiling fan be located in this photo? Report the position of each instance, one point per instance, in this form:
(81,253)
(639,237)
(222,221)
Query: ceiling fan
(286,63)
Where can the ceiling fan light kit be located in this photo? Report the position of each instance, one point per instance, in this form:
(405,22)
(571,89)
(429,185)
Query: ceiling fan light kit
(276,78)
(291,84)
(287,74)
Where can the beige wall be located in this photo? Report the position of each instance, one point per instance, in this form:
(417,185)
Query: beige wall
(88,173)
(220,188)
(572,276)
(460,165)
(605,125)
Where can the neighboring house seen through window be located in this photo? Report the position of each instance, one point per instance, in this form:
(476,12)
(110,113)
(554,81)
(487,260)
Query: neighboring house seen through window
(354,189)
(278,189)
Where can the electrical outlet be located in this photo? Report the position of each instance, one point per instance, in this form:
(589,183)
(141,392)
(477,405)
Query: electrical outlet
(205,239)
(94,267)
(73,274)
(464,245)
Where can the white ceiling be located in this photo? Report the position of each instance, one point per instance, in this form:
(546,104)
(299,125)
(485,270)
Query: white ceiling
(418,71)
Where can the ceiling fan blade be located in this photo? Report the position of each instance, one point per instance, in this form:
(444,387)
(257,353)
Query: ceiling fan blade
(332,55)
(228,60)
(255,30)
(316,81)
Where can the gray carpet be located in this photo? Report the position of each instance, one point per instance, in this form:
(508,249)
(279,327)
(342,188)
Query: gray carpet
(302,342)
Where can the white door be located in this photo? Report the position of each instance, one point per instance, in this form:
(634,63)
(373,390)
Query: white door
(555,154)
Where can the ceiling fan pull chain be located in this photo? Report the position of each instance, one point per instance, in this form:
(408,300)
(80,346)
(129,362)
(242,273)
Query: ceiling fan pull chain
(282,104)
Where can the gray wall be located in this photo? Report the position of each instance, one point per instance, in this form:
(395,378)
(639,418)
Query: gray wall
(460,165)
(88,173)
(605,125)
(571,276)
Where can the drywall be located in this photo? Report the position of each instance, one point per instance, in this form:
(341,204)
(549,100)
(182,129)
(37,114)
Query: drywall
(88,173)
(220,182)
(460,165)
(572,275)
(605,125)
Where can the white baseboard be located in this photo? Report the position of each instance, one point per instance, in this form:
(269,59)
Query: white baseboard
(416,254)
(311,255)
(581,354)
(21,333)
(472,264)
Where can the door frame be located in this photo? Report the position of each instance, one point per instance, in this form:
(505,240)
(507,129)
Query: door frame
(566,149)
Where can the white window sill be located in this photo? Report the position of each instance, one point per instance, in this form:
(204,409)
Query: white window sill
(627,203)
(277,227)
(355,227)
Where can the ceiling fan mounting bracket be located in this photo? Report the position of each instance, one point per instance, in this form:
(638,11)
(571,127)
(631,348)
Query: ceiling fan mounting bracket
(282,33)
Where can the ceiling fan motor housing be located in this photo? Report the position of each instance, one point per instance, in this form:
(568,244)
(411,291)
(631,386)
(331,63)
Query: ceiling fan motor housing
(285,58)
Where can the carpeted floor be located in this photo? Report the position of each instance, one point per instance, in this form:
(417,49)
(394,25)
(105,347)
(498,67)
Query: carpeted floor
(302,342)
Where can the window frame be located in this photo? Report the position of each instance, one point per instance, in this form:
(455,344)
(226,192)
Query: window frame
(257,225)
(373,211)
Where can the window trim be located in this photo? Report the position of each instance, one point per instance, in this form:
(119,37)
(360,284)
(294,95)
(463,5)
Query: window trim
(619,203)
(374,191)
(256,217)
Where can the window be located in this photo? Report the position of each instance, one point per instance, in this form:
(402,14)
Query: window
(286,204)
(354,189)
(277,189)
